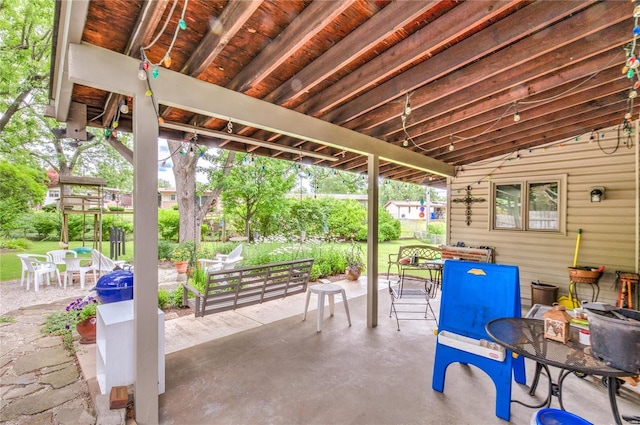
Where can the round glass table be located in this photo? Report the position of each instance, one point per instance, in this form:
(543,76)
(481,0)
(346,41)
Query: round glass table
(525,336)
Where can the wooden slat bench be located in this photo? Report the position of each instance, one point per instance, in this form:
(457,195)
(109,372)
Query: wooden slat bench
(231,289)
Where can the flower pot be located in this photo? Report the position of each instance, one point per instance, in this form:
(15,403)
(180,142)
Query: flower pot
(352,273)
(181,266)
(87,330)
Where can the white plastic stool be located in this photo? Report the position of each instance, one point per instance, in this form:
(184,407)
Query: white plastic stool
(321,290)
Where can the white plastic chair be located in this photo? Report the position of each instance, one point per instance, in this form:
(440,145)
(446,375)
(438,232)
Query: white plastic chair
(37,269)
(74,266)
(100,264)
(222,261)
(25,269)
(57,256)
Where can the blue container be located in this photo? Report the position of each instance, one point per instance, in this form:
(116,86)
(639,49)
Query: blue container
(557,417)
(115,286)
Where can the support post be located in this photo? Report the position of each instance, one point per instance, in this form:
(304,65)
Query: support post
(145,255)
(373,169)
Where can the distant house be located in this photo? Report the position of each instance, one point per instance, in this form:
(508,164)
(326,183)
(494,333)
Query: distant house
(411,210)
(167,198)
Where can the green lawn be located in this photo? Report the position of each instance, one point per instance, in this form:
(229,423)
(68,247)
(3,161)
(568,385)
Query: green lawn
(10,267)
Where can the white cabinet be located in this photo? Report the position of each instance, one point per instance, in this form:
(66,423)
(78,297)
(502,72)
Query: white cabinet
(115,346)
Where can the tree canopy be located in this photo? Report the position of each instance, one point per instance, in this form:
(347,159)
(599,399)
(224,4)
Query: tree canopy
(21,187)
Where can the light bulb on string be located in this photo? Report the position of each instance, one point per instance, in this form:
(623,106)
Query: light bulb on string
(148,93)
(182,24)
(115,124)
(451,147)
(405,143)
(633,94)
(142,74)
(124,108)
(167,61)
(164,163)
(155,72)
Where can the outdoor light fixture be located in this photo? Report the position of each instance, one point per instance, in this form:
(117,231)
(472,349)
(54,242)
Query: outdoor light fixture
(597,194)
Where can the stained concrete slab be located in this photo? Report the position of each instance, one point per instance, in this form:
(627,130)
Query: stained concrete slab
(285,372)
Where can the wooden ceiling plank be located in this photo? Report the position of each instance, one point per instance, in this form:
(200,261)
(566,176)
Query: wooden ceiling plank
(142,33)
(541,129)
(417,46)
(465,149)
(476,47)
(373,31)
(313,19)
(592,93)
(557,135)
(189,94)
(232,18)
(521,51)
(450,111)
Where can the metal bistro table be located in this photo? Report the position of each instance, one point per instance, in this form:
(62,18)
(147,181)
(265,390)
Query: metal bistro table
(525,337)
(434,267)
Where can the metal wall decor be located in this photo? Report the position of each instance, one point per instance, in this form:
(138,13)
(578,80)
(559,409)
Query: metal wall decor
(468,200)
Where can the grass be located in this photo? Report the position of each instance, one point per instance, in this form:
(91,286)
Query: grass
(11,268)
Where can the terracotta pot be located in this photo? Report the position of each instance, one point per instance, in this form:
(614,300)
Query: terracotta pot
(87,330)
(352,273)
(181,266)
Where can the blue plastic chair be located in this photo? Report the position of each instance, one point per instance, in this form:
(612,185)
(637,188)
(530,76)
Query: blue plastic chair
(472,295)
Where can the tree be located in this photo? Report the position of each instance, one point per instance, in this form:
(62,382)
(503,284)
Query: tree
(20,188)
(256,185)
(325,180)
(25,50)
(185,156)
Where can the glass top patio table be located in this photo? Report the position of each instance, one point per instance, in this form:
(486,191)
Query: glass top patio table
(525,336)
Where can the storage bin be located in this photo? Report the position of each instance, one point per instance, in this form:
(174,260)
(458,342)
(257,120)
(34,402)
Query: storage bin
(543,293)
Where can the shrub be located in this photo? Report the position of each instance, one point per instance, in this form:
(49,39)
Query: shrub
(163,298)
(437,228)
(20,244)
(164,250)
(176,297)
(113,208)
(169,224)
(45,224)
(346,219)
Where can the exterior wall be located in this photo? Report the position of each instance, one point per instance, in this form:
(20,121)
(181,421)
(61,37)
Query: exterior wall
(609,229)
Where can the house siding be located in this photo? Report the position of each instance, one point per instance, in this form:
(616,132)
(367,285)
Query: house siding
(609,231)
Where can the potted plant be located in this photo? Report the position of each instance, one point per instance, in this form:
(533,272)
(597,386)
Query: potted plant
(355,261)
(182,255)
(81,314)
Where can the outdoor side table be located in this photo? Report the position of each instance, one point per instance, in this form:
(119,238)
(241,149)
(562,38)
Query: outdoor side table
(525,336)
(329,289)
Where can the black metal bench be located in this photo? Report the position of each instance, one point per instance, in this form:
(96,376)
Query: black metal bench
(231,289)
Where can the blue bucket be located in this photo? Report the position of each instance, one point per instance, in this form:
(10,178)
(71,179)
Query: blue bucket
(115,286)
(557,417)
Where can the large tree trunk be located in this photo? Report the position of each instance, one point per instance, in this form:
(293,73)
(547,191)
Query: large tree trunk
(184,171)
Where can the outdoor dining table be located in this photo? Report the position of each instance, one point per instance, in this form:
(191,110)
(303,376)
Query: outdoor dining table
(525,336)
(434,267)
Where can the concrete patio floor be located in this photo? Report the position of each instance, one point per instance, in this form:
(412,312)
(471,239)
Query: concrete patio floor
(278,370)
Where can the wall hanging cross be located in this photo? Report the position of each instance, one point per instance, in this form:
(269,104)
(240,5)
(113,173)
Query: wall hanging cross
(468,200)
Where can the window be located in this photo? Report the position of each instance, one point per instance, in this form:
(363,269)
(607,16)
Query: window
(531,205)
(173,197)
(54,194)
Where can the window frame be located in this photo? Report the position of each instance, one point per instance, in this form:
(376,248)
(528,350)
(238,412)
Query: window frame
(525,186)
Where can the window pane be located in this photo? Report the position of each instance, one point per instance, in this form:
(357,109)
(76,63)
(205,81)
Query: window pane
(543,206)
(508,207)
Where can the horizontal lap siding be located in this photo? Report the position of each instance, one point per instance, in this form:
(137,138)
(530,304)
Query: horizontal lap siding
(608,227)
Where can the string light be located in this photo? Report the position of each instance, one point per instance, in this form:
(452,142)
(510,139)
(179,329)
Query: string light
(166,58)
